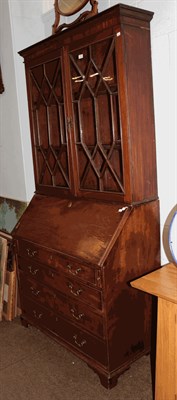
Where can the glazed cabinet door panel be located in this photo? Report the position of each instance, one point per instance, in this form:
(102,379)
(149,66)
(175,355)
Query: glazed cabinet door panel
(96,118)
(49,137)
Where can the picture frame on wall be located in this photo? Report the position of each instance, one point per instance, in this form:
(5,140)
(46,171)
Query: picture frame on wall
(1,82)
(3,266)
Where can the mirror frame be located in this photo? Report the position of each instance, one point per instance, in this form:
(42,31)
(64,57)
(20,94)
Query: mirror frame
(85,15)
(166,236)
(170,239)
(78,8)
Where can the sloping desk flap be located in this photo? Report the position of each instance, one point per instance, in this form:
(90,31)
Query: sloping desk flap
(80,228)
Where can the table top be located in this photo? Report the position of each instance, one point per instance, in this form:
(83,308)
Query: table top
(161,283)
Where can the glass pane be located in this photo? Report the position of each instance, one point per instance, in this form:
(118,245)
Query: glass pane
(49,124)
(97,122)
(69,7)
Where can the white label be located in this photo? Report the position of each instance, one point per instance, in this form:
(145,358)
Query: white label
(122,209)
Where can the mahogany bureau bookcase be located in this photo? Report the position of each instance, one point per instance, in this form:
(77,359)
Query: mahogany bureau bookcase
(93,223)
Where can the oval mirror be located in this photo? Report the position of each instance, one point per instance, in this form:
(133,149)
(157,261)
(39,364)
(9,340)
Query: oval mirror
(69,7)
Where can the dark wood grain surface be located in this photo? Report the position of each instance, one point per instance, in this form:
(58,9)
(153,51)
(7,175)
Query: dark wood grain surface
(93,223)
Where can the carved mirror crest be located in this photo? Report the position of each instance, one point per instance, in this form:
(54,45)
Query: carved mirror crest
(71,7)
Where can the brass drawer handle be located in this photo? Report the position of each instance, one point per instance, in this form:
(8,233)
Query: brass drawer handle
(72,271)
(37,315)
(31,253)
(75,293)
(81,344)
(32,270)
(34,291)
(76,316)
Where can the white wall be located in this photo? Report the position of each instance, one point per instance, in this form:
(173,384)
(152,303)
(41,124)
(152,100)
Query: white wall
(12,179)
(164,61)
(27,28)
(20,26)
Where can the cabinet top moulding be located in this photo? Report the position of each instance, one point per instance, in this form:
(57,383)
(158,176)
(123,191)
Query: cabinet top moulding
(91,110)
(115,15)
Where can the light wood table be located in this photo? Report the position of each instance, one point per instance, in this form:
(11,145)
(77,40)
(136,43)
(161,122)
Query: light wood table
(163,284)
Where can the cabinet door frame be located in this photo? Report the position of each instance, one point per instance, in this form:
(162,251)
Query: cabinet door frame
(106,195)
(29,66)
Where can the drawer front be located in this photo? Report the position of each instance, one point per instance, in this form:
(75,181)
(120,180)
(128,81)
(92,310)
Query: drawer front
(74,337)
(75,311)
(63,283)
(61,264)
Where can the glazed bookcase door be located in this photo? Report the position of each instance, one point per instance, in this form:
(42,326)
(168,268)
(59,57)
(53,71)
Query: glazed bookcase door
(49,137)
(96,118)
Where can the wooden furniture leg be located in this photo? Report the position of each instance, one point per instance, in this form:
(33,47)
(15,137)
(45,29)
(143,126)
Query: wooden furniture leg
(166,357)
